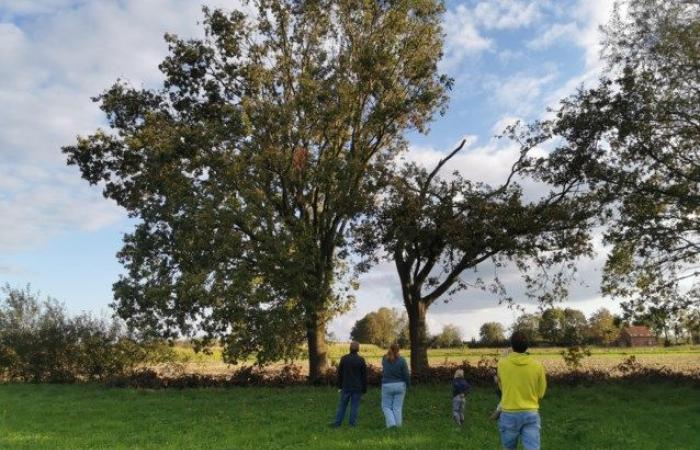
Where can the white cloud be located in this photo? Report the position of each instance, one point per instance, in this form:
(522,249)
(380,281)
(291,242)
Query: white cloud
(557,33)
(463,27)
(19,8)
(462,38)
(507,14)
(54,58)
(37,204)
(469,309)
(582,29)
(522,93)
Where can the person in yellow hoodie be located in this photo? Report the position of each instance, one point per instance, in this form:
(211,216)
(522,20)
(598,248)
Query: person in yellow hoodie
(523,384)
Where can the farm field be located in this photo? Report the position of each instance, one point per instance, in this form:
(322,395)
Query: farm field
(612,416)
(679,358)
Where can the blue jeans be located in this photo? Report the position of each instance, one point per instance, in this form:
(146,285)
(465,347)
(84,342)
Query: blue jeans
(392,403)
(525,425)
(354,398)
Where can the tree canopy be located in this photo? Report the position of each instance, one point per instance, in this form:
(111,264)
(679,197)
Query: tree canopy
(435,228)
(450,336)
(635,139)
(382,327)
(246,170)
(492,333)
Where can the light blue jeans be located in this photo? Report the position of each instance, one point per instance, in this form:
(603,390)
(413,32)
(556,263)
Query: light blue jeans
(392,403)
(524,425)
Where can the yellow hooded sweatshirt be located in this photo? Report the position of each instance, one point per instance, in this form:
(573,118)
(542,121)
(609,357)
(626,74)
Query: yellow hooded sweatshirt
(522,382)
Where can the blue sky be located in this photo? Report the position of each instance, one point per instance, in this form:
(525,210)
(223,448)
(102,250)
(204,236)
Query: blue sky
(510,60)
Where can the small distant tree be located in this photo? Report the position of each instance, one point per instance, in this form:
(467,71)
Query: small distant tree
(575,327)
(691,323)
(451,336)
(602,329)
(529,324)
(492,333)
(551,326)
(381,327)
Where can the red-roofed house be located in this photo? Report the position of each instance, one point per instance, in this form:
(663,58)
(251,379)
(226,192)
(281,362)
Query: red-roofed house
(637,336)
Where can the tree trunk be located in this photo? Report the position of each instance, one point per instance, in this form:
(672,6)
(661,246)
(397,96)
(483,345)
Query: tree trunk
(418,334)
(318,350)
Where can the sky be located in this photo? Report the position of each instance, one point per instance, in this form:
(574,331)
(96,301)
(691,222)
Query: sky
(510,60)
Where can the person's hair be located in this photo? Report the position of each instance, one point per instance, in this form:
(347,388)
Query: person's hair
(459,373)
(354,346)
(518,341)
(393,353)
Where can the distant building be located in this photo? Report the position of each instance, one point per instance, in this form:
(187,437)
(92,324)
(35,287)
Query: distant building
(637,336)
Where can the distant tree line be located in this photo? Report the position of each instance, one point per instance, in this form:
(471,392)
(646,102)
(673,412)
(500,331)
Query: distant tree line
(385,326)
(570,327)
(562,327)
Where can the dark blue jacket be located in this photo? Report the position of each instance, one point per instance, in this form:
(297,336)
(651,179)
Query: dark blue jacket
(395,372)
(460,386)
(352,373)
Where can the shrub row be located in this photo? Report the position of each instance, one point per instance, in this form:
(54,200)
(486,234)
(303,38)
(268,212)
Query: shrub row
(40,342)
(480,374)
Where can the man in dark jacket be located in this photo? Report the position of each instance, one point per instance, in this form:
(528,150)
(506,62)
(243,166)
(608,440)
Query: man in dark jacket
(352,382)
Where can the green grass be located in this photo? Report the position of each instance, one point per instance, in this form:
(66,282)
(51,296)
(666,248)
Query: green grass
(373,354)
(639,416)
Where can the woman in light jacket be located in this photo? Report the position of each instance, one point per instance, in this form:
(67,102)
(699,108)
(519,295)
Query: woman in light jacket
(395,380)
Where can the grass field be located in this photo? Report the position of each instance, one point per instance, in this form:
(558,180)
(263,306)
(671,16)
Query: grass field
(638,416)
(679,358)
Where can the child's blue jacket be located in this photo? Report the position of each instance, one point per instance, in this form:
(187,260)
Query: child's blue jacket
(460,386)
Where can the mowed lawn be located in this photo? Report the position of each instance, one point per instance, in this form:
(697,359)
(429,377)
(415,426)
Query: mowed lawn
(637,416)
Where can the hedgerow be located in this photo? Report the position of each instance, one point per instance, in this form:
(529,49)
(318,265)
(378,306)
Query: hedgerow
(480,374)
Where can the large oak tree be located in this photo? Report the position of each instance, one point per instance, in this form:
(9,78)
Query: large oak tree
(246,170)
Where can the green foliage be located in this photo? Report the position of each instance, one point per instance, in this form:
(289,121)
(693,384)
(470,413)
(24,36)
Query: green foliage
(381,328)
(449,337)
(247,169)
(492,333)
(574,356)
(551,325)
(529,324)
(567,327)
(39,342)
(601,328)
(575,327)
(434,229)
(633,140)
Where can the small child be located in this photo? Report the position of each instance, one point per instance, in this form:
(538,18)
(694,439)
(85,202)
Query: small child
(497,413)
(460,387)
